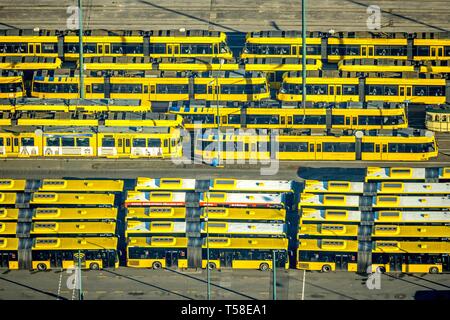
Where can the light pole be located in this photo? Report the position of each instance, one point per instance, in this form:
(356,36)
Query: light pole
(80,43)
(208,272)
(274,269)
(80,292)
(304,58)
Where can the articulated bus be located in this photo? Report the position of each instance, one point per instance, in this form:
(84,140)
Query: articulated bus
(236,253)
(213,228)
(83,106)
(335,89)
(29,63)
(218,184)
(72,229)
(384,116)
(58,253)
(315,186)
(163,64)
(401,145)
(388,256)
(11,85)
(397,217)
(391,65)
(347,45)
(379,231)
(102,43)
(88,142)
(272,215)
(438,118)
(204,199)
(153,86)
(384,202)
(405,173)
(106,214)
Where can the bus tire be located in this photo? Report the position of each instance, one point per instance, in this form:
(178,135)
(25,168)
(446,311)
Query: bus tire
(42,267)
(211,266)
(434,270)
(381,269)
(264,266)
(94,266)
(156,265)
(326,268)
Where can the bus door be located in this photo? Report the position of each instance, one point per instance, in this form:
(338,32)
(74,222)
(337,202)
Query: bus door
(227,260)
(103,48)
(34,48)
(250,149)
(15,145)
(216,49)
(395,263)
(296,51)
(405,92)
(367,51)
(342,262)
(171,258)
(152,95)
(123,145)
(173,49)
(436,51)
(335,92)
(7,145)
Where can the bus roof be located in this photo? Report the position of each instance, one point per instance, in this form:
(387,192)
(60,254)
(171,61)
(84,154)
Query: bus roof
(94,243)
(9,244)
(74,214)
(81,185)
(75,228)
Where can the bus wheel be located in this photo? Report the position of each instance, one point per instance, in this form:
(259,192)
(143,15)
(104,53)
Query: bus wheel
(264,266)
(381,269)
(434,270)
(42,266)
(156,265)
(211,266)
(326,268)
(94,266)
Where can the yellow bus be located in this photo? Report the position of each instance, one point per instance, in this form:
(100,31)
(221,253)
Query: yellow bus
(72,229)
(74,199)
(9,253)
(13,184)
(73,214)
(406,173)
(366,65)
(29,63)
(81,185)
(8,229)
(236,253)
(94,253)
(214,214)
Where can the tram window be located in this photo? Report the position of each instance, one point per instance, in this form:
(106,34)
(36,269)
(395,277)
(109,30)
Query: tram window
(319,89)
(420,90)
(293,147)
(422,50)
(139,143)
(262,119)
(374,90)
(436,91)
(189,48)
(1,142)
(82,142)
(155,143)
(349,89)
(127,48)
(27,142)
(411,147)
(157,48)
(68,142)
(447,51)
(200,88)
(98,88)
(369,120)
(126,88)
(367,147)
(234,119)
(108,142)
(49,48)
(172,88)
(390,90)
(338,147)
(52,142)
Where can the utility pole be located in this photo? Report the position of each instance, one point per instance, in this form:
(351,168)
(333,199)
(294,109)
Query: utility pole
(80,289)
(304,58)
(80,44)
(274,281)
(208,272)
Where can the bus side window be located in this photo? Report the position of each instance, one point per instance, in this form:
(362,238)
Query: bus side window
(16,142)
(145,89)
(8,142)
(319,148)
(377,148)
(311,147)
(119,143)
(384,148)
